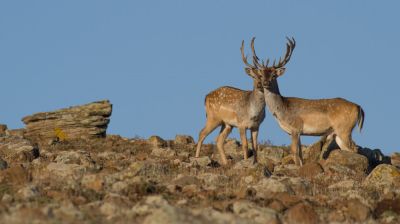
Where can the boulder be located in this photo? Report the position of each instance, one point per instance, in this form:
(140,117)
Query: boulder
(16,150)
(274,153)
(78,122)
(353,161)
(383,177)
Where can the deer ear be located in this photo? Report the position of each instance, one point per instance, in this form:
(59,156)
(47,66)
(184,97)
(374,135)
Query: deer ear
(251,73)
(280,71)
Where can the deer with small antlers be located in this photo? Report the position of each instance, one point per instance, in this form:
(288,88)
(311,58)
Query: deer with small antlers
(230,107)
(330,118)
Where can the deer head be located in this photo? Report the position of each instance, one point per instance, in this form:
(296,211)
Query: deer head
(261,71)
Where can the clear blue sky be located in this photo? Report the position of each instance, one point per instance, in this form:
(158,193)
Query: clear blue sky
(156,60)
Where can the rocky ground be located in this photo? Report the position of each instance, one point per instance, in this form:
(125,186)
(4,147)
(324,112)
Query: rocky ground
(120,180)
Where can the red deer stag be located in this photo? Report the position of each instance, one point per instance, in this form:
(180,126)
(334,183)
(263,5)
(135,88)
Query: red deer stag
(331,118)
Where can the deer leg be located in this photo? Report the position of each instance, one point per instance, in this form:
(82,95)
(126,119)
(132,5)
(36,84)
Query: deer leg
(344,141)
(220,131)
(326,146)
(220,143)
(243,137)
(254,136)
(296,149)
(210,126)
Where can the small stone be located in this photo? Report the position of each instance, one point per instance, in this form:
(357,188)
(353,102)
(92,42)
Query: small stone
(190,190)
(343,185)
(248,179)
(213,181)
(287,160)
(290,170)
(302,213)
(157,141)
(176,162)
(336,216)
(358,211)
(3,164)
(182,202)
(60,170)
(93,182)
(385,205)
(273,153)
(109,209)
(3,129)
(276,206)
(313,152)
(183,180)
(19,133)
(253,212)
(184,139)
(266,187)
(245,164)
(120,187)
(310,170)
(7,198)
(201,161)
(163,152)
(28,192)
(246,193)
(395,159)
(16,175)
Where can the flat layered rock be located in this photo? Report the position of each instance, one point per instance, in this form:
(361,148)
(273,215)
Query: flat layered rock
(78,122)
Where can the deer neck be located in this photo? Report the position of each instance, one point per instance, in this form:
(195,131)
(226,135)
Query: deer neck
(257,100)
(274,100)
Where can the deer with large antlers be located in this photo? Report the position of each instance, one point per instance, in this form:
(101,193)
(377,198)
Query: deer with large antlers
(230,107)
(330,118)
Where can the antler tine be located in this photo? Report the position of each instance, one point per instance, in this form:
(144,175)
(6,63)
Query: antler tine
(255,58)
(289,50)
(244,58)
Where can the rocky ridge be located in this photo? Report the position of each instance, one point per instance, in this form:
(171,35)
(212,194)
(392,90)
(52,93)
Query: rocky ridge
(113,179)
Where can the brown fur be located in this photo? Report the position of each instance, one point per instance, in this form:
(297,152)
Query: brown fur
(230,107)
(320,117)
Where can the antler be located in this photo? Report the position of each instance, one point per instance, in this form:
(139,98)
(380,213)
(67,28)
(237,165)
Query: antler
(244,58)
(255,58)
(289,50)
